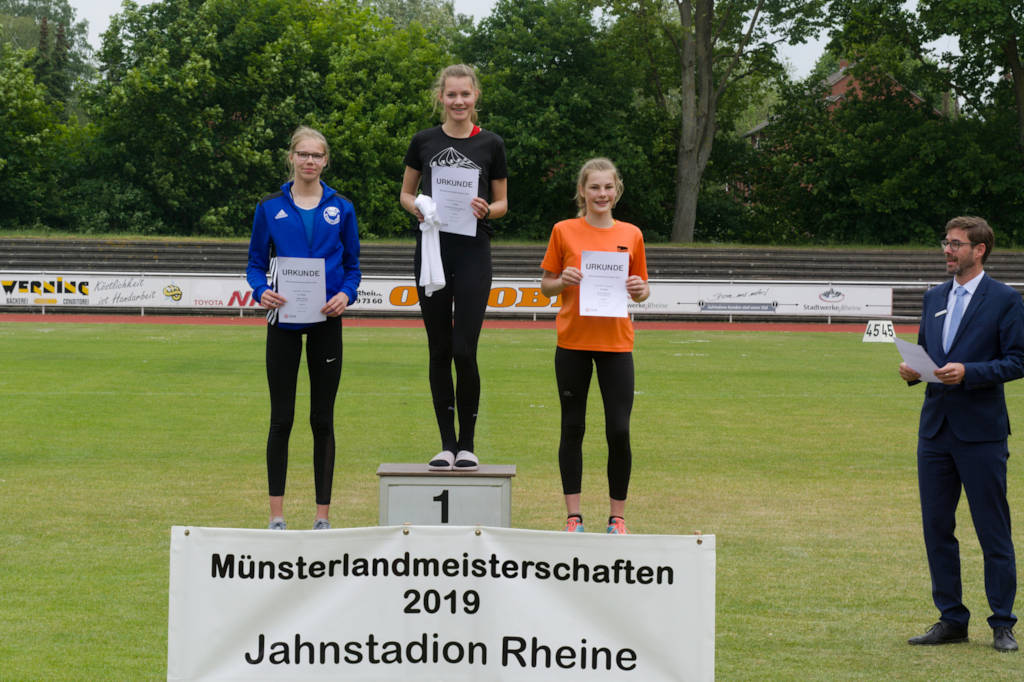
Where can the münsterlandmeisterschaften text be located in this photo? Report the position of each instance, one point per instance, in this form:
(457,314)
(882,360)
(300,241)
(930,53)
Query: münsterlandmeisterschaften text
(624,571)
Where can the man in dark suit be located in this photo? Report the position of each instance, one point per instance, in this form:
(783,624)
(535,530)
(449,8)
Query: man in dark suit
(973,328)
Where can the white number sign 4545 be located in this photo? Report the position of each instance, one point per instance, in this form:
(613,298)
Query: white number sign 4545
(879,331)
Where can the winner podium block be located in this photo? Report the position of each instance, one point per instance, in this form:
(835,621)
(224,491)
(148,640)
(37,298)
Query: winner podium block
(411,493)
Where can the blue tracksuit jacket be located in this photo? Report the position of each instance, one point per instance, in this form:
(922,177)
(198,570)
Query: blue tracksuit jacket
(277,230)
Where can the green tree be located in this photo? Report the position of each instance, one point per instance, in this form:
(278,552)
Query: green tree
(556,90)
(882,29)
(826,65)
(882,35)
(199,97)
(437,17)
(52,60)
(990,35)
(881,165)
(21,33)
(715,45)
(42,64)
(63,56)
(879,168)
(372,113)
(31,139)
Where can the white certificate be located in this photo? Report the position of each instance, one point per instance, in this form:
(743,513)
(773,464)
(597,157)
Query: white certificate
(452,190)
(603,287)
(917,359)
(303,284)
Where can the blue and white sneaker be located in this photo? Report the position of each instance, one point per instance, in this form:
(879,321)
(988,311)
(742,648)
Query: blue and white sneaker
(573,524)
(617,526)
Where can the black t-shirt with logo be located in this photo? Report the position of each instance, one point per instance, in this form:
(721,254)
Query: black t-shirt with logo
(484,151)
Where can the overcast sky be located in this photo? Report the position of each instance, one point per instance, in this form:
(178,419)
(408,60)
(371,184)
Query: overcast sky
(97,13)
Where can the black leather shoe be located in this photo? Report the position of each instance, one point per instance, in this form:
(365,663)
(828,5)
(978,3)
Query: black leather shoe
(1002,639)
(942,633)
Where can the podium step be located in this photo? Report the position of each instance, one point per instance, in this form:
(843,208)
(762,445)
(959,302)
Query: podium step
(411,493)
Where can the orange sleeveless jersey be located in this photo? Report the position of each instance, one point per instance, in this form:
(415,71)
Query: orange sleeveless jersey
(569,238)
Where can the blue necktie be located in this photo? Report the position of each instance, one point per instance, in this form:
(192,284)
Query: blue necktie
(954,319)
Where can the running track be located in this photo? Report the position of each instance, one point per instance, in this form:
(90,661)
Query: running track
(855,327)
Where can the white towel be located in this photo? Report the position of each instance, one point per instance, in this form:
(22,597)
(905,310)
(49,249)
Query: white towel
(431,270)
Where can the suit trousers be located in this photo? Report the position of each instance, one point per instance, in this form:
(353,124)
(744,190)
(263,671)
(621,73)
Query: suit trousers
(944,465)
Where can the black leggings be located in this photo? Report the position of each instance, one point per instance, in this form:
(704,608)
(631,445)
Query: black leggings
(573,369)
(323,360)
(453,318)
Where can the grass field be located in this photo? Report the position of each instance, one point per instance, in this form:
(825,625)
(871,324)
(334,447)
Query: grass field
(795,449)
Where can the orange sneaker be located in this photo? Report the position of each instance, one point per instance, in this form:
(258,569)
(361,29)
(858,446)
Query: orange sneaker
(573,524)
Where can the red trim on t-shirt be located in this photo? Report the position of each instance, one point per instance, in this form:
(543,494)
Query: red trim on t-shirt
(475,131)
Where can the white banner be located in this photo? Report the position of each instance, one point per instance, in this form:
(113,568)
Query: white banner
(121,290)
(767,298)
(439,603)
(395,294)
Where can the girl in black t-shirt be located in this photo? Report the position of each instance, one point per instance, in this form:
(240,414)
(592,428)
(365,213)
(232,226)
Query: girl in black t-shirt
(453,316)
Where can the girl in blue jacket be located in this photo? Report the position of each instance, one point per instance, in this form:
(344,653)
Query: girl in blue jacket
(306,219)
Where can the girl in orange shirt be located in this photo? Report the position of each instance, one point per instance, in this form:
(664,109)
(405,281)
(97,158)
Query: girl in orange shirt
(588,341)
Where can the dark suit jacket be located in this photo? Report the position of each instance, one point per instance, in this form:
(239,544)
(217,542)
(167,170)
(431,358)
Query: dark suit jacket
(990,344)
